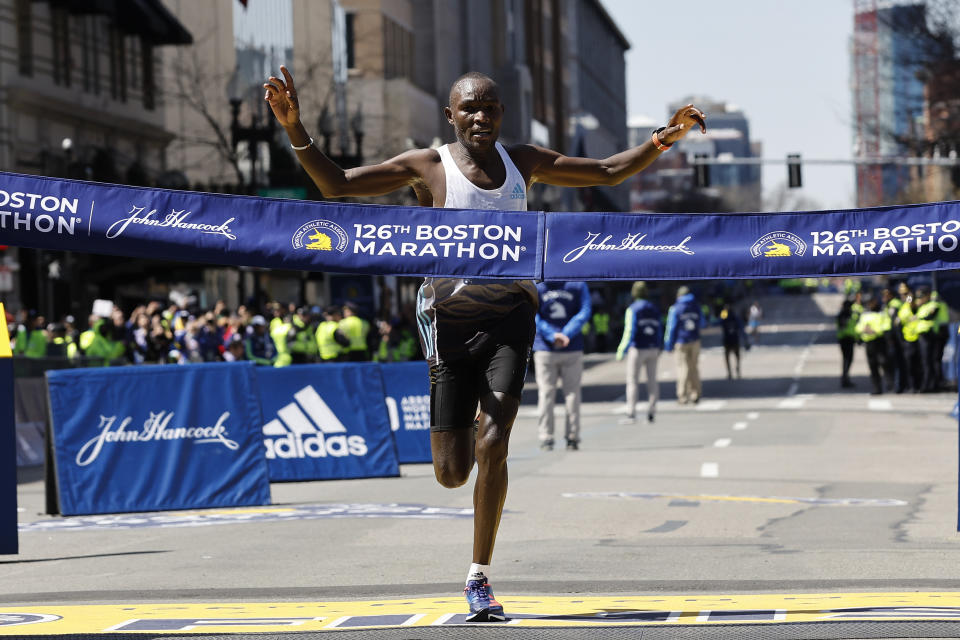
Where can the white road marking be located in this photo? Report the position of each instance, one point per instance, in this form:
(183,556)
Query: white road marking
(709,470)
(739,426)
(796,402)
(794,387)
(711,405)
(412,620)
(877,404)
(722,442)
(443,619)
(753,415)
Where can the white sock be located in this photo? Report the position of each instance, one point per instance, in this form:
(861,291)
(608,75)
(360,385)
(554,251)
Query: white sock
(477,570)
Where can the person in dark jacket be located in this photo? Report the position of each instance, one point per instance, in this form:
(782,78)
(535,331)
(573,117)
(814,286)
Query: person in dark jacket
(558,354)
(684,321)
(641,344)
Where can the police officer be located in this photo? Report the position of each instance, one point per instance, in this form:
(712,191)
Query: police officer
(601,324)
(847,338)
(872,329)
(280,327)
(397,343)
(301,338)
(331,343)
(356,330)
(926,327)
(909,331)
(896,369)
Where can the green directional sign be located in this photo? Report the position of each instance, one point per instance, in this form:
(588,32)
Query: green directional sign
(290,193)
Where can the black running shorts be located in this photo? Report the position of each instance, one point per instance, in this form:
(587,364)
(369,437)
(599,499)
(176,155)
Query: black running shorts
(497,361)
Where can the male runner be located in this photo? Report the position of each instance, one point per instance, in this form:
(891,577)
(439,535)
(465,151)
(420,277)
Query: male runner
(476,334)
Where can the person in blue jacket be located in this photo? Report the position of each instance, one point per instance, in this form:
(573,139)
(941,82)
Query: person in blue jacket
(684,321)
(558,353)
(642,343)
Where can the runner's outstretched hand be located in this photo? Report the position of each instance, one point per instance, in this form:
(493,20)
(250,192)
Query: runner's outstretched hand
(282,96)
(681,124)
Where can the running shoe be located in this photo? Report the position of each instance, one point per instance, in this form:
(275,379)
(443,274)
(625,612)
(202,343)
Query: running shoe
(483,606)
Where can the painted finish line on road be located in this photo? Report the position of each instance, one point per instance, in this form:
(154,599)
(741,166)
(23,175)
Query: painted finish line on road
(251,514)
(825,502)
(522,611)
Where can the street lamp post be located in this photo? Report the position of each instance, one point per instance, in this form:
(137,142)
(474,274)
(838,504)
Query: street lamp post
(344,159)
(252,135)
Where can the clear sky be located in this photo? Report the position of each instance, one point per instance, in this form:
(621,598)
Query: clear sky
(785,63)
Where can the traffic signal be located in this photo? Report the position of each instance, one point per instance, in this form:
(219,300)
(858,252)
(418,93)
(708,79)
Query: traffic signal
(701,172)
(794,180)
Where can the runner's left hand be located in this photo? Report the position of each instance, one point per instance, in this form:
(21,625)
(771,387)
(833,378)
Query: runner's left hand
(682,123)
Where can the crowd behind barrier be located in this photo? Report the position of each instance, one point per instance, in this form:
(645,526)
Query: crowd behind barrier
(166,333)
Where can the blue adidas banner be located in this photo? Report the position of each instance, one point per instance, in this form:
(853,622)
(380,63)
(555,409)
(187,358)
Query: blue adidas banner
(48,213)
(406,386)
(152,438)
(588,246)
(325,422)
(8,458)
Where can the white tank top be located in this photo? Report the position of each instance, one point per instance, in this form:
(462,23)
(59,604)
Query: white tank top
(463,194)
(469,302)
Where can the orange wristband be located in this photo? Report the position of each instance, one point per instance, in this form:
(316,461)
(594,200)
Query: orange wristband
(656,141)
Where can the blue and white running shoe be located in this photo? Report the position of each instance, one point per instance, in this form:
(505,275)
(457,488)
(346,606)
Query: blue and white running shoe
(483,605)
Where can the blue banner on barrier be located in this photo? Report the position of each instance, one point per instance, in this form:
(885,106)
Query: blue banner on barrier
(153,438)
(587,246)
(407,389)
(72,215)
(326,421)
(8,458)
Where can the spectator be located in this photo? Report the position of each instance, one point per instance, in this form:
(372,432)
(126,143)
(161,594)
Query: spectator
(235,350)
(260,348)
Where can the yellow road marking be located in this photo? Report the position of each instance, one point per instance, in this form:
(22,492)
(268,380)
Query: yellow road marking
(524,611)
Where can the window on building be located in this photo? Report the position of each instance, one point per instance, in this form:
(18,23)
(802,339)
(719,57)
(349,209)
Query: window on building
(149,87)
(96,29)
(397,50)
(351,41)
(118,65)
(133,57)
(60,33)
(24,37)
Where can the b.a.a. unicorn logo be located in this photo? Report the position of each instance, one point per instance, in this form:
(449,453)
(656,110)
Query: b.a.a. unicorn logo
(320,235)
(778,244)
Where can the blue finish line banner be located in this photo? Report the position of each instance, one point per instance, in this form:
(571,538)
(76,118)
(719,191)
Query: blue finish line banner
(70,215)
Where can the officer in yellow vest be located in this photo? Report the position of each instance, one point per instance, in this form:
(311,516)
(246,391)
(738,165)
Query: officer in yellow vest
(872,329)
(32,338)
(331,342)
(60,345)
(601,328)
(894,339)
(355,329)
(847,338)
(942,329)
(396,342)
(909,331)
(301,339)
(926,319)
(280,326)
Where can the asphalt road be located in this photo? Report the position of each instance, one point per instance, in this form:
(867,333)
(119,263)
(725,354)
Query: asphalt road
(779,482)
